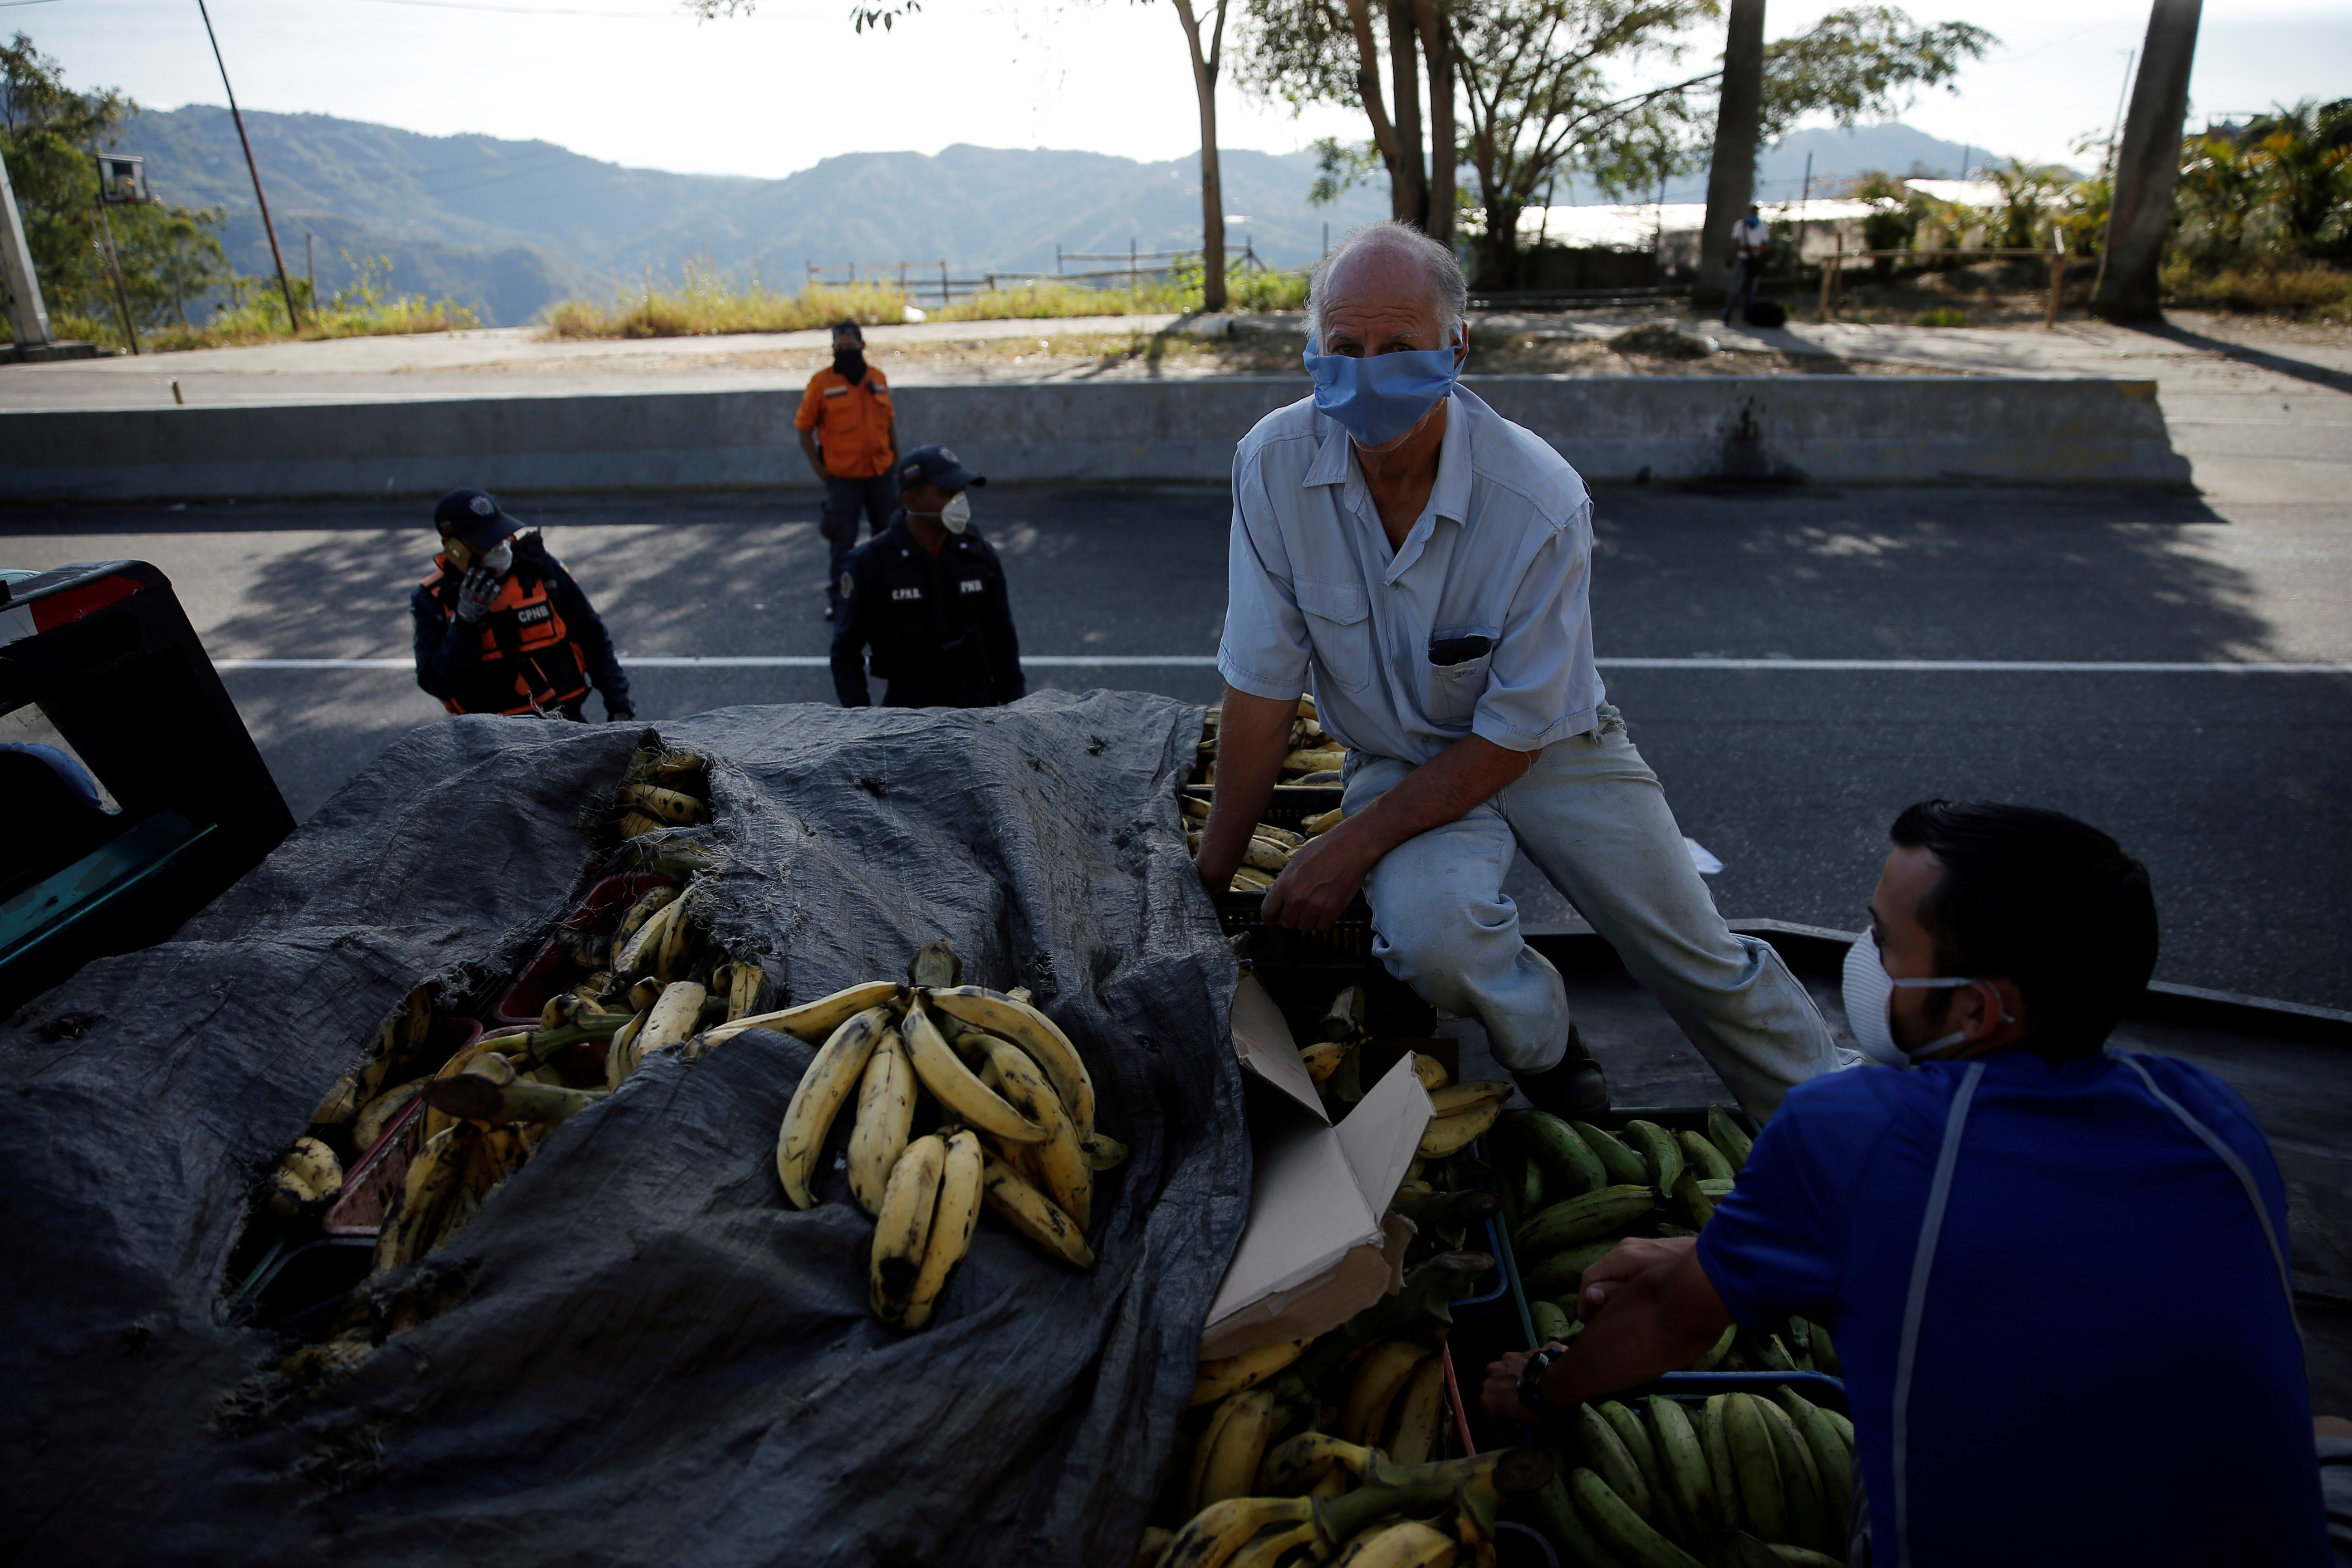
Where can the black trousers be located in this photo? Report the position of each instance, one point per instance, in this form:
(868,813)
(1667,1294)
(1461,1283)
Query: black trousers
(877,498)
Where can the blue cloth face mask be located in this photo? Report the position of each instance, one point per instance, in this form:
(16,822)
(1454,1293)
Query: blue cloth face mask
(1379,397)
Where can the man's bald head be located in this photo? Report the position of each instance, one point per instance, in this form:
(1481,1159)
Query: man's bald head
(1383,281)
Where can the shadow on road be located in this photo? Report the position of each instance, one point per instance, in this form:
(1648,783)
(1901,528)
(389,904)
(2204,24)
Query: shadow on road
(2245,354)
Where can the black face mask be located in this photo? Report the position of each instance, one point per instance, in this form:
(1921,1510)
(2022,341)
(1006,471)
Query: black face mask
(850,364)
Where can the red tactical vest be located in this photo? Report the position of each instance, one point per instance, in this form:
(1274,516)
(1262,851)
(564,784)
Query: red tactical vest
(529,663)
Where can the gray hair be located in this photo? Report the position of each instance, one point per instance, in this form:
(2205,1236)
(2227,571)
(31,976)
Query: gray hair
(1449,291)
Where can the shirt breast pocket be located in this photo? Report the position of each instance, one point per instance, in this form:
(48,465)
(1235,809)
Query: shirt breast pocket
(1339,628)
(1457,683)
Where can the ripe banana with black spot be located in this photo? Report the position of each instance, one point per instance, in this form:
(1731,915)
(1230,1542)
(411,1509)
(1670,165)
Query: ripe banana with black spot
(1215,1380)
(953,1217)
(672,1021)
(832,1074)
(1012,1018)
(1413,1423)
(885,1114)
(1451,1134)
(816,1021)
(903,1225)
(628,941)
(956,1087)
(1226,1463)
(1381,1375)
(1033,1215)
(1060,1164)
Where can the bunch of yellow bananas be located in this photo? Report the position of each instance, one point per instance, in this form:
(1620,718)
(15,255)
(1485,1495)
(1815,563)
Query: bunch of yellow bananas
(1270,847)
(1312,757)
(664,789)
(1306,1448)
(1015,1105)
(1738,1479)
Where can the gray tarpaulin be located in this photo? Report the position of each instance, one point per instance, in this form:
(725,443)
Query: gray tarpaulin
(649,1356)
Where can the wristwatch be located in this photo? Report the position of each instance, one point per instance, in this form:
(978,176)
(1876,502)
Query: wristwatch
(1531,1378)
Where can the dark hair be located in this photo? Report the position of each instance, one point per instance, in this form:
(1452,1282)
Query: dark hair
(2050,903)
(846,325)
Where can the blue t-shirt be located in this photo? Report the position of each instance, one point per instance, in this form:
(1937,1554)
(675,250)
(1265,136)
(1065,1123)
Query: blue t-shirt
(2107,1368)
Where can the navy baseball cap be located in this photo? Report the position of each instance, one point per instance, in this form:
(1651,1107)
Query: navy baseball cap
(473,518)
(936,466)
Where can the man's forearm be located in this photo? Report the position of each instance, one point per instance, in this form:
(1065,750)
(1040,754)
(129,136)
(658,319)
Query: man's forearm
(1660,1322)
(1459,779)
(1253,737)
(816,458)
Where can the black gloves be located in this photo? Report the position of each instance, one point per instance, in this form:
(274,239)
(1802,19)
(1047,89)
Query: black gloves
(618,712)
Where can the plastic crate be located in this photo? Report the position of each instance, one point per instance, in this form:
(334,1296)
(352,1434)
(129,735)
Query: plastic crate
(599,912)
(1347,944)
(1289,806)
(376,1174)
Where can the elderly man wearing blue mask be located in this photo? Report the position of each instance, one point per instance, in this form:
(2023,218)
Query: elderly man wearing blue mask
(1427,561)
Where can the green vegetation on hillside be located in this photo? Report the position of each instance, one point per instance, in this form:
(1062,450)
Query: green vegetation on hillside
(166,256)
(707,302)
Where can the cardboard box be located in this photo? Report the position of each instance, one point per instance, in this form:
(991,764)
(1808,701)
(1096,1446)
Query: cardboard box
(1320,1245)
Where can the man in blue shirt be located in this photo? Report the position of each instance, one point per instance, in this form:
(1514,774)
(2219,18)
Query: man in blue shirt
(2056,1274)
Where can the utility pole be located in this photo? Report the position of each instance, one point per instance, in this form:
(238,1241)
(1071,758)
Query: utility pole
(2149,166)
(293,321)
(1739,126)
(113,266)
(26,314)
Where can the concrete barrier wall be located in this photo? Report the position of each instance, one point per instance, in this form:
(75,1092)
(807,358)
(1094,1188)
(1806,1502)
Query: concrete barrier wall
(1820,429)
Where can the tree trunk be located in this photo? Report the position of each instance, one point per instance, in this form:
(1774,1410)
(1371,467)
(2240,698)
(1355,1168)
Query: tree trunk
(1212,195)
(2140,219)
(1368,81)
(1738,125)
(1498,247)
(1437,46)
(1408,179)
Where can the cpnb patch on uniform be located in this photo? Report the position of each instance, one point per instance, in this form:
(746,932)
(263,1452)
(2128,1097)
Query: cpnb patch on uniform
(530,613)
(849,584)
(906,594)
(972,585)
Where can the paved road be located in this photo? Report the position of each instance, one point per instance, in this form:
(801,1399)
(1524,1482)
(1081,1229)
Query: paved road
(2237,788)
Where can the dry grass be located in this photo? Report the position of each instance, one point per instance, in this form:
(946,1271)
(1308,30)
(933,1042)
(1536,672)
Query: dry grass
(708,303)
(2310,292)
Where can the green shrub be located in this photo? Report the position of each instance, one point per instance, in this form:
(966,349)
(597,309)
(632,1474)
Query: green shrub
(2313,291)
(1941,316)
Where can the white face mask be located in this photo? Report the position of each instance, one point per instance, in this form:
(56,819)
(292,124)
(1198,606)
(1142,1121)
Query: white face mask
(501,556)
(956,516)
(1869,991)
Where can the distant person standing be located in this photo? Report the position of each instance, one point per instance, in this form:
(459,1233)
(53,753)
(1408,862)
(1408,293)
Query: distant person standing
(1750,240)
(927,596)
(850,434)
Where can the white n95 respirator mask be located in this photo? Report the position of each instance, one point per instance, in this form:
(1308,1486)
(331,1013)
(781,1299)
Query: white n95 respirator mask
(956,516)
(1869,990)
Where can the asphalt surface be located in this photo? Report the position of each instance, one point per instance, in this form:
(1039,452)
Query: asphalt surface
(2235,788)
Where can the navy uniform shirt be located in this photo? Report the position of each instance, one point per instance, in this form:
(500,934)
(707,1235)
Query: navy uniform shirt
(2108,1369)
(939,626)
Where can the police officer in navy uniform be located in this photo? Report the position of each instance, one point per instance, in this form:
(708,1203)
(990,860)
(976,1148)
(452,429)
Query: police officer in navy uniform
(500,625)
(928,597)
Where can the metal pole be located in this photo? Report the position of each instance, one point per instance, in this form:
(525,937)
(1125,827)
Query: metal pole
(28,315)
(113,266)
(293,321)
(311,267)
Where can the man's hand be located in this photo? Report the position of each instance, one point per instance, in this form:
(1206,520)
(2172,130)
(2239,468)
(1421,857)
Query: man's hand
(1323,876)
(477,593)
(1634,1255)
(1500,1395)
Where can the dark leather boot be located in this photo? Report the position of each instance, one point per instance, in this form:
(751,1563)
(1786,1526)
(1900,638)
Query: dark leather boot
(1573,1089)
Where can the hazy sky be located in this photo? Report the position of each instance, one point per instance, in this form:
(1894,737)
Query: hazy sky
(639,83)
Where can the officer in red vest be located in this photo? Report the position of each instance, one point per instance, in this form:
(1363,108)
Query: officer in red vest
(500,625)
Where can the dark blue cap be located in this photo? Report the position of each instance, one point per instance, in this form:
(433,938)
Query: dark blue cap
(936,466)
(473,518)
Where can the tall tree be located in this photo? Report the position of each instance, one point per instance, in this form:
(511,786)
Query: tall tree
(1739,126)
(48,133)
(2149,167)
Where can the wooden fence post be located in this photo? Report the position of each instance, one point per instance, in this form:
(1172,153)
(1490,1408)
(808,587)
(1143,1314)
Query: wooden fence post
(2057,281)
(1830,273)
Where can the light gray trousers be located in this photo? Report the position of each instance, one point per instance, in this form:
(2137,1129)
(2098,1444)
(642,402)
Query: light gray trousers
(1592,818)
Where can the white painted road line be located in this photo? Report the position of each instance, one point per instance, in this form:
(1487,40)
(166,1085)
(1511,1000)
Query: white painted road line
(1208,661)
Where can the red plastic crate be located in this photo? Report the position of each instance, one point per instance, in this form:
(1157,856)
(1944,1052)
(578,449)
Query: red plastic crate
(600,912)
(377,1173)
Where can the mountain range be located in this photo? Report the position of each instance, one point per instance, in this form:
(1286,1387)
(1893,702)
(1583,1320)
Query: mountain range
(510,227)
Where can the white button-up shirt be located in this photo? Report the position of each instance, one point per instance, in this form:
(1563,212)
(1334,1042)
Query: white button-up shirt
(1502,551)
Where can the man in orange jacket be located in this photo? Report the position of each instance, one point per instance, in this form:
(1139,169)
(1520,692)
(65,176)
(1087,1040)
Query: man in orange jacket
(850,435)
